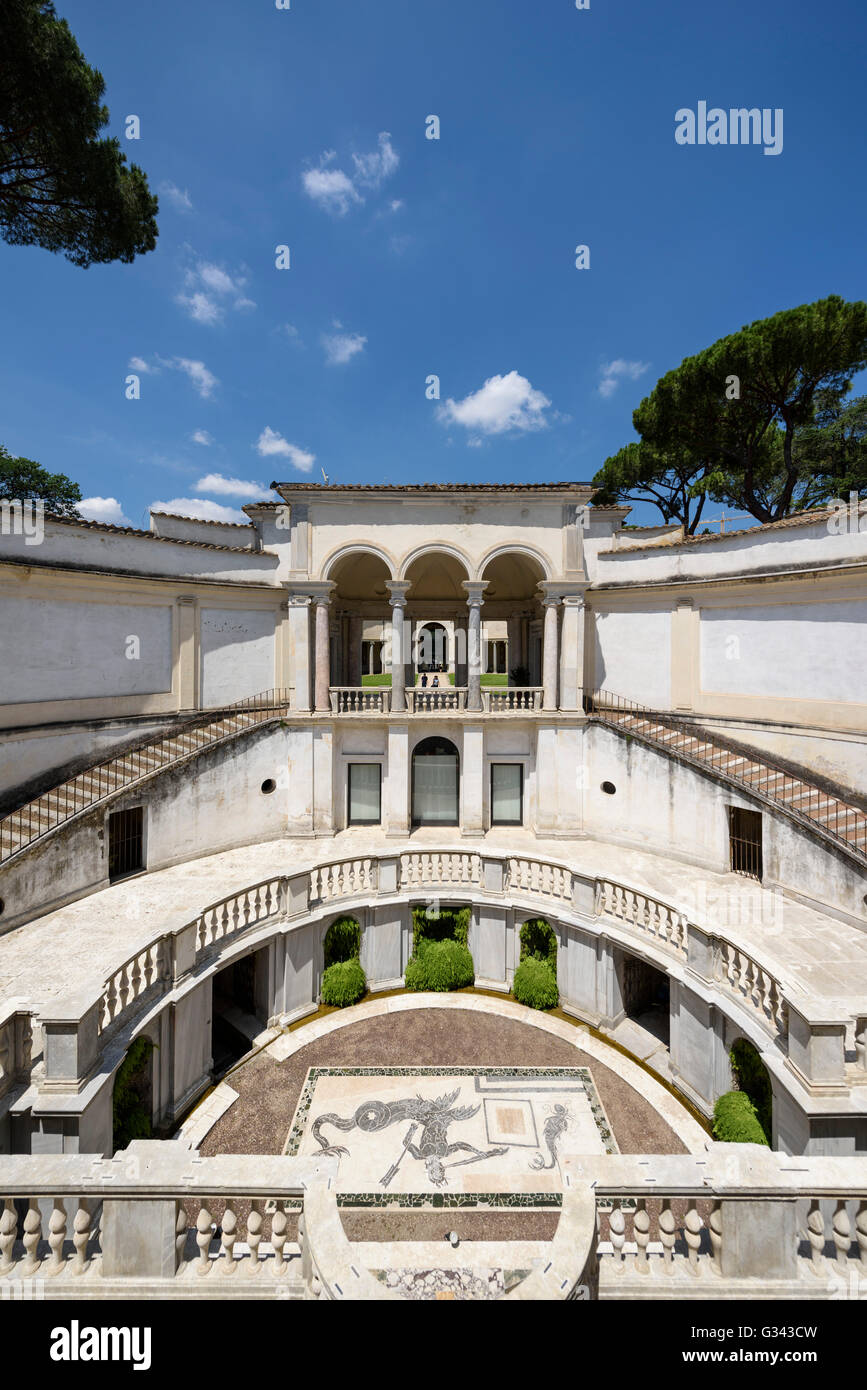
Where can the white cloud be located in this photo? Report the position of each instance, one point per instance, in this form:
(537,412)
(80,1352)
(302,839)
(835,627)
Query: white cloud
(395,205)
(504,403)
(209,289)
(233,487)
(200,509)
(104,509)
(271,444)
(138,364)
(203,380)
(342,347)
(202,437)
(612,373)
(178,197)
(373,169)
(336,191)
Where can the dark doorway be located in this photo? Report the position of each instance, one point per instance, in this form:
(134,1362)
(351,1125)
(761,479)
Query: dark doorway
(235,1018)
(646,997)
(435,783)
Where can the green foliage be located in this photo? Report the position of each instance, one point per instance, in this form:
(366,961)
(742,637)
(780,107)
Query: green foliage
(25,481)
(131,1112)
(539,940)
(735,1120)
(342,941)
(535,984)
(343,983)
(63,187)
(751,1076)
(834,447)
(735,424)
(439,966)
(449,924)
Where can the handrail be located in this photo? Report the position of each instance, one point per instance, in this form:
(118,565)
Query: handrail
(802,799)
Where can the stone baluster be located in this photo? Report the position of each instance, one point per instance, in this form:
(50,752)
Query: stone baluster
(8,1231)
(80,1238)
(641,1227)
(861,1232)
(32,1237)
(617,1231)
(816,1233)
(254,1237)
(667,1233)
(230,1235)
(56,1237)
(692,1232)
(714,1227)
(279,1240)
(861,1042)
(181,1226)
(203,1240)
(842,1228)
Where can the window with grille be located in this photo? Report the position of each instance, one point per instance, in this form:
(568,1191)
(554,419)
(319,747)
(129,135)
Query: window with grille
(365,794)
(507,794)
(745,842)
(125,843)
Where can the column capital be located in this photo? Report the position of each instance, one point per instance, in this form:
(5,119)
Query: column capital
(475,589)
(320,591)
(299,601)
(398,590)
(551,593)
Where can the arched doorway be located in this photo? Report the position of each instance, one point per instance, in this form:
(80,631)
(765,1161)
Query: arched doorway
(432,648)
(513,618)
(435,783)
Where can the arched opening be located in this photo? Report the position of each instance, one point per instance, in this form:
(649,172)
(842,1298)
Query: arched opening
(432,648)
(132,1095)
(342,941)
(435,783)
(751,1076)
(539,939)
(644,993)
(512,618)
(360,620)
(239,1011)
(437,615)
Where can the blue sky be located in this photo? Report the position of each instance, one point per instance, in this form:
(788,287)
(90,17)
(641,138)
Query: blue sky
(413,257)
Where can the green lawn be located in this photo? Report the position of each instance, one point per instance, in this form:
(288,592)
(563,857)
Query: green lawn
(385,680)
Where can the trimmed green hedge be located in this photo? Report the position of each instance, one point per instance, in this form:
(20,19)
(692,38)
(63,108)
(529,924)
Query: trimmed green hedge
(342,941)
(131,1114)
(751,1077)
(735,1120)
(343,983)
(439,966)
(535,984)
(451,924)
(539,939)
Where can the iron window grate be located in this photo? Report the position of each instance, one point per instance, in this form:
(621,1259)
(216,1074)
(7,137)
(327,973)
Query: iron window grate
(125,843)
(745,842)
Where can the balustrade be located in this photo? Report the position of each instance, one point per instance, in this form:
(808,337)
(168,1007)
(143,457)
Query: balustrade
(512,699)
(425,700)
(347,699)
(423,870)
(540,878)
(738,974)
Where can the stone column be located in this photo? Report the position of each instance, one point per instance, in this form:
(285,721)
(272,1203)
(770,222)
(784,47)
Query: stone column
(398,589)
(475,598)
(513,656)
(551,647)
(572,653)
(323,654)
(356,631)
(461,642)
(299,633)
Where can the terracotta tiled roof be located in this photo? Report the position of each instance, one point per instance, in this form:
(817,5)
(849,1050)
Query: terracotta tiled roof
(143,535)
(202,521)
(808,518)
(433,487)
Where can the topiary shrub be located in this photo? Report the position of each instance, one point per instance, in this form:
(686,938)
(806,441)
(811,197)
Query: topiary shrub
(538,939)
(439,966)
(535,984)
(343,983)
(751,1076)
(447,924)
(342,941)
(735,1120)
(131,1096)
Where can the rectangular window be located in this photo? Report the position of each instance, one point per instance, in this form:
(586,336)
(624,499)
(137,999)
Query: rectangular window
(745,842)
(507,794)
(365,793)
(125,843)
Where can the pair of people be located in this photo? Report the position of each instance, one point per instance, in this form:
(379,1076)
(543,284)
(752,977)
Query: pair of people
(434,683)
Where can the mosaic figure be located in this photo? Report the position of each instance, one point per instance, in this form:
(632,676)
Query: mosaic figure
(555,1126)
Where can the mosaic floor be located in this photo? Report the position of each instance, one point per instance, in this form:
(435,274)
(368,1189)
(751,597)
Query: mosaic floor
(490,1131)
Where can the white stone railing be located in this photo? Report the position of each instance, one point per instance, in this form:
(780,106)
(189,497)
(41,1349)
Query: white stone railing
(425,700)
(352,699)
(347,878)
(755,987)
(159,1220)
(508,699)
(663,924)
(427,869)
(16,1044)
(542,879)
(249,908)
(144,971)
(656,1233)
